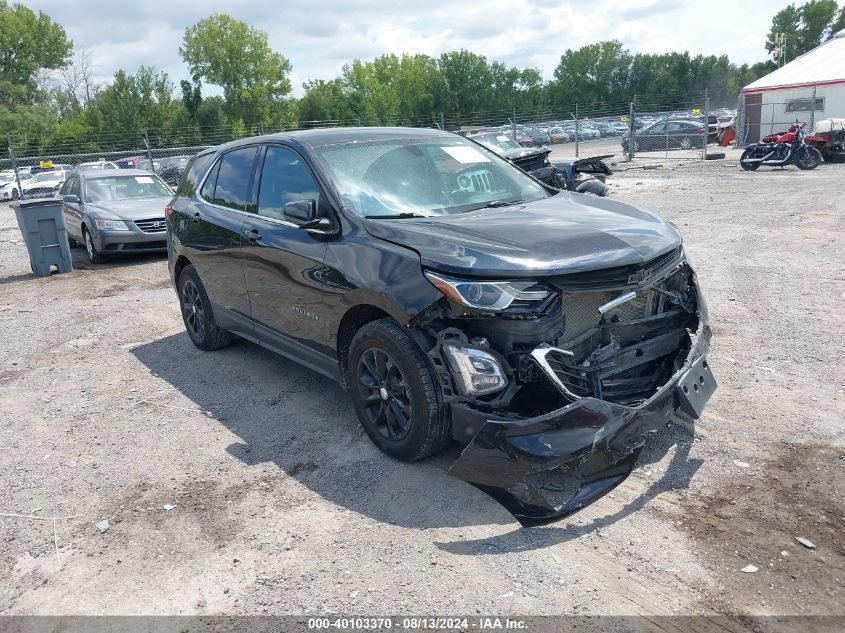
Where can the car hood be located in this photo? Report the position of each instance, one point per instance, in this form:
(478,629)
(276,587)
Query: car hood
(42,183)
(130,209)
(566,233)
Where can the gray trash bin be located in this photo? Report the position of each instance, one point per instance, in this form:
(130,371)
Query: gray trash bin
(42,225)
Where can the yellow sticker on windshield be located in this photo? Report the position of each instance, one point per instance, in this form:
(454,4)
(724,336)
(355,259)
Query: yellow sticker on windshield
(464,154)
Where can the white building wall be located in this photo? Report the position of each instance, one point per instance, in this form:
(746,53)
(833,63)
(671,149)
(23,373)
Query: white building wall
(774,116)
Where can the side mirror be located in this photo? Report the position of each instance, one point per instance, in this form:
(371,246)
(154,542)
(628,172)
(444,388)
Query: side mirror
(300,211)
(71,199)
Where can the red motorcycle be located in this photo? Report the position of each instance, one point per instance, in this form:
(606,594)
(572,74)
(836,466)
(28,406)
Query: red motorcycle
(781,150)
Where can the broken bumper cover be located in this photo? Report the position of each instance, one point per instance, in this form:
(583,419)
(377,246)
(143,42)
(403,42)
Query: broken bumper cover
(586,448)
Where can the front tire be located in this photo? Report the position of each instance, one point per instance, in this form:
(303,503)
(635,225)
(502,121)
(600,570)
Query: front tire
(808,158)
(395,392)
(94,256)
(197,314)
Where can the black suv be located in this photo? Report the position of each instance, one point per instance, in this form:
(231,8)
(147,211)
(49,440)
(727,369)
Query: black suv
(454,296)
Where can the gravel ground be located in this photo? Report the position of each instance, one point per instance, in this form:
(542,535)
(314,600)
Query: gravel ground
(236,482)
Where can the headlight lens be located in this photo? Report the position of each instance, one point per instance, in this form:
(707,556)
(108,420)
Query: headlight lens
(489,295)
(111,225)
(476,372)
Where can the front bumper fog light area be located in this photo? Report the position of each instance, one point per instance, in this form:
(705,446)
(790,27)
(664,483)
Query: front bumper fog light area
(476,372)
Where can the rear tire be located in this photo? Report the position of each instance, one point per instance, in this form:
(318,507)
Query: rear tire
(745,165)
(395,392)
(197,314)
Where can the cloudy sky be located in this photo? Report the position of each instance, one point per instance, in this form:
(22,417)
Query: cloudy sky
(320,36)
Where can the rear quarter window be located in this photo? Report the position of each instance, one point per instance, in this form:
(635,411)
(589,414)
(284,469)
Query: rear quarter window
(195,170)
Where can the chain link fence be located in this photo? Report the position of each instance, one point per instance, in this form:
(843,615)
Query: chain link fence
(679,127)
(760,114)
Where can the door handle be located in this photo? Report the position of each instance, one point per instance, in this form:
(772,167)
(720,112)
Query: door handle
(252,235)
(195,217)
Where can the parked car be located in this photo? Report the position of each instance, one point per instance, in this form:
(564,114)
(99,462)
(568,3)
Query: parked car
(45,184)
(664,135)
(115,212)
(538,136)
(521,138)
(558,135)
(606,129)
(97,165)
(582,133)
(531,160)
(170,169)
(712,124)
(9,186)
(456,298)
(129,163)
(146,165)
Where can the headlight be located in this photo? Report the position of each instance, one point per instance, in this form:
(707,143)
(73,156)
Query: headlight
(476,372)
(111,225)
(489,295)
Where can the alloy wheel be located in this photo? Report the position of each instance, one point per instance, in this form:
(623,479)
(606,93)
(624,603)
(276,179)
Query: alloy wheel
(686,143)
(89,246)
(384,393)
(193,309)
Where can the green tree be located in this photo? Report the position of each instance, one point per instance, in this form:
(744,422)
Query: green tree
(28,43)
(805,27)
(231,54)
(131,104)
(593,74)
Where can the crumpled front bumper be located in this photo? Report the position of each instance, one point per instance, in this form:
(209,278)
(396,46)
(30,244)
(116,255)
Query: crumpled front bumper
(591,445)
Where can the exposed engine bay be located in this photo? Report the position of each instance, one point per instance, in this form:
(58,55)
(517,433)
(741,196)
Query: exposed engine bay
(615,334)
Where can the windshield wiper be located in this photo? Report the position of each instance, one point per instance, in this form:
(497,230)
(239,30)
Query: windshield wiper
(395,215)
(495,204)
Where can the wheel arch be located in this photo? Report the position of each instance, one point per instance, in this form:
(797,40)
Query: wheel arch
(353,320)
(179,266)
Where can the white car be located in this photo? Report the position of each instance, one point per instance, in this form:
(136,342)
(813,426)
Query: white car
(95,166)
(8,186)
(44,185)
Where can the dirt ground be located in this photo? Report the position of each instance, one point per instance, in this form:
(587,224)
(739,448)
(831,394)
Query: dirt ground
(236,482)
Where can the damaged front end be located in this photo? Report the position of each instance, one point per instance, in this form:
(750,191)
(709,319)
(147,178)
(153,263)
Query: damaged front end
(555,392)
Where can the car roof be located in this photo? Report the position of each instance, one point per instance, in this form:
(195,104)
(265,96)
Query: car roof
(111,173)
(331,136)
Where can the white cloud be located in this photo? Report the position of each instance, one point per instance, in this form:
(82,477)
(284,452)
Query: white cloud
(319,38)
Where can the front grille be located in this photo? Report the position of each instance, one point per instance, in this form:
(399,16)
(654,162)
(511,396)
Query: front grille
(620,277)
(581,310)
(152,225)
(625,354)
(41,191)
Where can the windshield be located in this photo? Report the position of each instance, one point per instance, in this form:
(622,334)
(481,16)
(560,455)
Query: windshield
(424,176)
(123,187)
(4,178)
(497,142)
